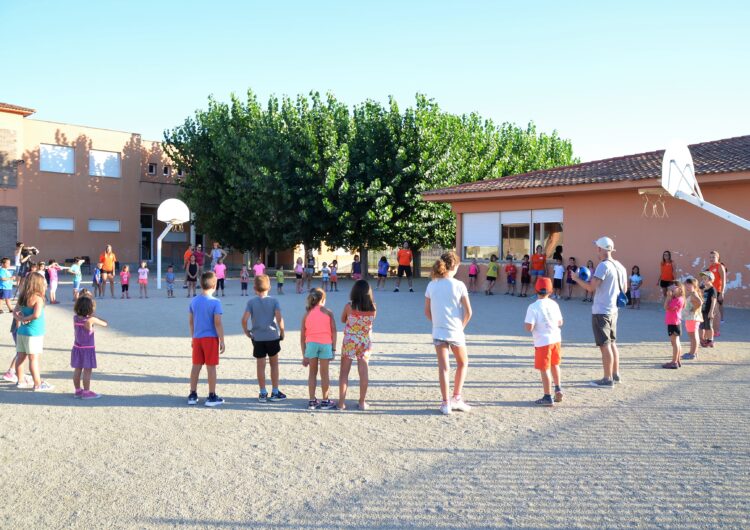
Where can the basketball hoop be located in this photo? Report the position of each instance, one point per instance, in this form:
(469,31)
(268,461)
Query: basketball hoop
(173,213)
(178,227)
(654,205)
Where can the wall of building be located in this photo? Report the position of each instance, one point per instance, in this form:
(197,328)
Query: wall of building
(689,232)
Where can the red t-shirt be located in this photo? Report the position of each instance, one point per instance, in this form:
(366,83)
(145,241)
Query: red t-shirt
(404,257)
(511,270)
(538,262)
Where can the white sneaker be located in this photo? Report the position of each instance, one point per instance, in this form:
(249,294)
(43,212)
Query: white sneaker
(10,377)
(457,403)
(445,408)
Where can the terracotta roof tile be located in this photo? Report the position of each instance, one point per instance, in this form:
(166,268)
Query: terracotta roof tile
(720,156)
(15,109)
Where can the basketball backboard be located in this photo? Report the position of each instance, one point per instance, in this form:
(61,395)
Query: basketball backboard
(678,171)
(173,211)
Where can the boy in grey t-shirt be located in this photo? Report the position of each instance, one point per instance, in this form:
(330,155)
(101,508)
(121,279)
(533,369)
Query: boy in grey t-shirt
(267,332)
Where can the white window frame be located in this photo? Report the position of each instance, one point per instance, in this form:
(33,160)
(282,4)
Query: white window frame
(166,170)
(148,168)
(99,225)
(93,165)
(57,224)
(58,148)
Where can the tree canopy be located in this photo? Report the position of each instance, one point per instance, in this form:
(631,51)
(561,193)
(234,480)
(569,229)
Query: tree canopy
(309,169)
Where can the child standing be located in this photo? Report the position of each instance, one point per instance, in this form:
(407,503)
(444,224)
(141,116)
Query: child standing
(207,332)
(142,280)
(220,270)
(666,272)
(244,280)
(170,281)
(570,269)
(510,277)
(191,275)
(473,275)
(325,276)
(318,341)
(266,333)
(96,281)
(53,269)
(358,317)
(299,280)
(544,320)
(125,281)
(356,269)
(335,275)
(280,280)
(259,268)
(673,304)
(558,273)
(83,354)
(587,296)
(635,280)
(447,307)
(538,263)
(692,315)
(525,276)
(707,311)
(29,314)
(383,267)
(75,270)
(492,269)
(7,275)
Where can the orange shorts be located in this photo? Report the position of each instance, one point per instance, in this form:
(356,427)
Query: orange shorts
(206,351)
(546,356)
(691,325)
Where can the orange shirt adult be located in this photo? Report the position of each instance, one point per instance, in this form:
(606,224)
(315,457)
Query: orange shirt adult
(404,257)
(186,257)
(108,261)
(538,262)
(667,271)
(717,269)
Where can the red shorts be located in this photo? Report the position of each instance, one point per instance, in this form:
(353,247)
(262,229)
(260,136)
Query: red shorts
(206,351)
(691,325)
(142,282)
(546,356)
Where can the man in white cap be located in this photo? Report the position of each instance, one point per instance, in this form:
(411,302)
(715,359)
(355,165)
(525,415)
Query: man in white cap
(609,279)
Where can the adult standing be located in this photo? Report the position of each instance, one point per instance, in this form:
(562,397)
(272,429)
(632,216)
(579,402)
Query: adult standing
(108,259)
(186,262)
(666,272)
(538,264)
(404,258)
(720,284)
(309,268)
(608,281)
(217,253)
(200,257)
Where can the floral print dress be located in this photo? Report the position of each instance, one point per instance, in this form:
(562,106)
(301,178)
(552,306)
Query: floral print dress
(358,335)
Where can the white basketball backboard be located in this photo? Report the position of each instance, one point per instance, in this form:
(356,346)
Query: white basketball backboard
(678,171)
(173,211)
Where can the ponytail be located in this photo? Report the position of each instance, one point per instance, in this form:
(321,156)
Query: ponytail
(315,297)
(446,262)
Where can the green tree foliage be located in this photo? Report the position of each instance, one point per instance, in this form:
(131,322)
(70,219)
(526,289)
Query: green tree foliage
(308,170)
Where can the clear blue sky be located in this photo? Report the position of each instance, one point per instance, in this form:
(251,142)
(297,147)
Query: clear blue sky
(615,78)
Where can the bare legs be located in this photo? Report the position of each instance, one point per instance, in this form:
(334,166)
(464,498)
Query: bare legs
(86,378)
(261,372)
(610,359)
(195,374)
(462,364)
(548,379)
(312,378)
(364,380)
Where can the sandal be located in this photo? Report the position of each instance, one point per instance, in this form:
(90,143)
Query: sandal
(670,366)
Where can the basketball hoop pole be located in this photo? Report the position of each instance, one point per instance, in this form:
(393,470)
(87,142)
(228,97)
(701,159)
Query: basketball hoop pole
(158,253)
(713,209)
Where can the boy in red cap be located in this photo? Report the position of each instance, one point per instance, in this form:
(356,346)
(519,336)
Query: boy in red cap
(544,320)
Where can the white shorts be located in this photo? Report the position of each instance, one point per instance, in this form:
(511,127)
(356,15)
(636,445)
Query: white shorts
(29,345)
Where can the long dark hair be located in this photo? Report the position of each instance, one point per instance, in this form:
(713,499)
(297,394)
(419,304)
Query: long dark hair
(669,259)
(361,296)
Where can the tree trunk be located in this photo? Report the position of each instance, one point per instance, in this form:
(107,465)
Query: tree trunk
(417,256)
(363,261)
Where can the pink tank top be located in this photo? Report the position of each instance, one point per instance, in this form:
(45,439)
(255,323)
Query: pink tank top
(318,327)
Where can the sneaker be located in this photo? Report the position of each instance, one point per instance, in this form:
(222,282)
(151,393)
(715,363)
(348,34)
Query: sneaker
(214,401)
(704,343)
(277,396)
(395,290)
(327,404)
(710,344)
(559,396)
(44,387)
(313,404)
(78,393)
(457,403)
(545,401)
(25,385)
(10,377)
(688,356)
(603,383)
(88,394)
(411,290)
(193,398)
(670,366)
(445,408)
(263,397)
(616,379)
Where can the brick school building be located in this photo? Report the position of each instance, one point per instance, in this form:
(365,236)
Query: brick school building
(572,206)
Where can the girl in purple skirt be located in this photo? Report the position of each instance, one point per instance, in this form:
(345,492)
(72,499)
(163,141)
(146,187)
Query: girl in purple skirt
(83,354)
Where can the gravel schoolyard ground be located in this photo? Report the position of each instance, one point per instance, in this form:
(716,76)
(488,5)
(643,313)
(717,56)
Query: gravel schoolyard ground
(668,448)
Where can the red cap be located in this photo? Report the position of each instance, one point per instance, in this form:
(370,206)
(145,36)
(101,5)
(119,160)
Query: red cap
(543,285)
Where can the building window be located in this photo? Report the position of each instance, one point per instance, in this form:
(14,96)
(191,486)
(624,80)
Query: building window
(516,240)
(481,235)
(151,168)
(166,170)
(64,224)
(104,225)
(548,229)
(104,164)
(180,173)
(56,159)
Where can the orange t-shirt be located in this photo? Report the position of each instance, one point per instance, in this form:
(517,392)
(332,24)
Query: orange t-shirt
(186,256)
(538,262)
(667,271)
(404,257)
(108,261)
(716,269)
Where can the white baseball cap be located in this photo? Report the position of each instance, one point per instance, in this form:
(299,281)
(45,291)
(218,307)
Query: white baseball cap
(605,243)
